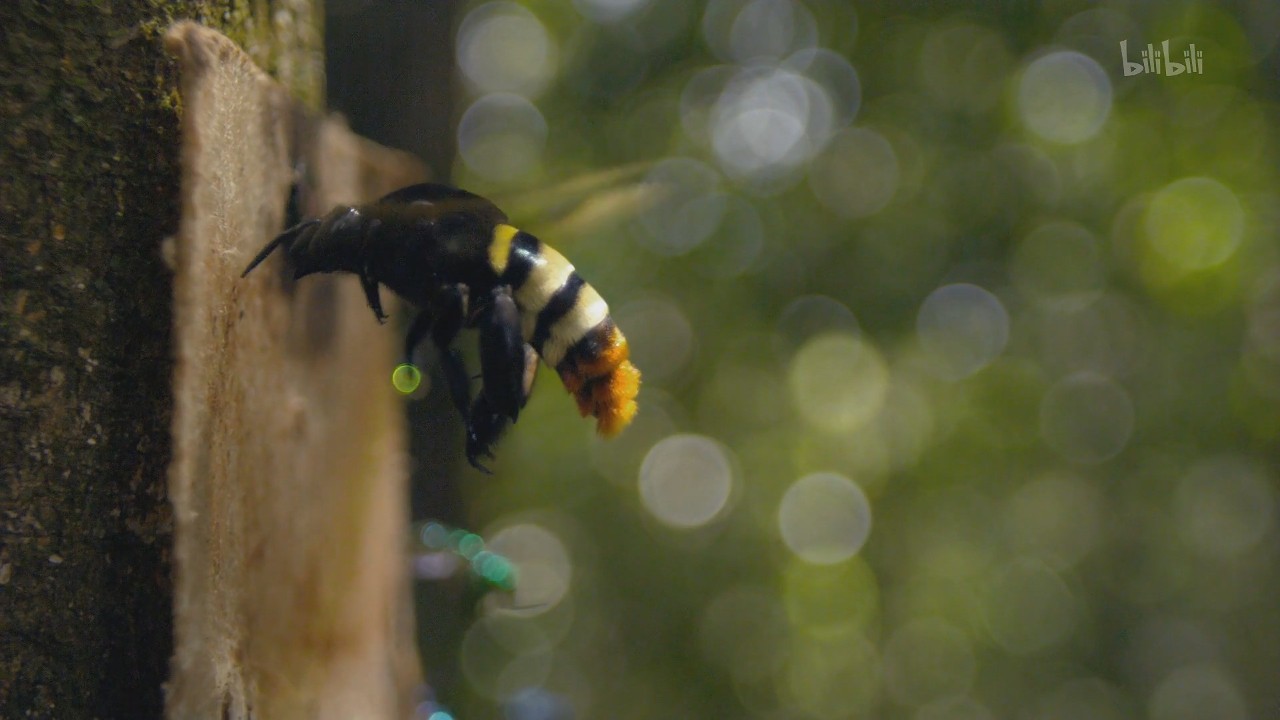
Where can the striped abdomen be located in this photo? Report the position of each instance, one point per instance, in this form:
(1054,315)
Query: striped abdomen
(568,323)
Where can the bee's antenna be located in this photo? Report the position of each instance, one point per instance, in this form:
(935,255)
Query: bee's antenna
(282,238)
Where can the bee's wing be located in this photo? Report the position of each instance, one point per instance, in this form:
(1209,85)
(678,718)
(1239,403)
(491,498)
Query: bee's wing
(448,199)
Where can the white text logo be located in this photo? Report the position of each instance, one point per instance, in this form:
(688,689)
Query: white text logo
(1154,59)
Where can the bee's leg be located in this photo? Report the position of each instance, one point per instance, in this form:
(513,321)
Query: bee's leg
(418,329)
(349,221)
(504,368)
(530,372)
(483,429)
(370,287)
(502,354)
(449,310)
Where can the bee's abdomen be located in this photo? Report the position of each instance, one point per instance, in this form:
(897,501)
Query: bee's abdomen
(568,324)
(598,372)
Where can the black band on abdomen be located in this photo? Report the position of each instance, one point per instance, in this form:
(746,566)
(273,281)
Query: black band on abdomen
(561,304)
(523,257)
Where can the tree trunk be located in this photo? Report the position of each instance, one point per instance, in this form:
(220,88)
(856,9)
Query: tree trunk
(89,419)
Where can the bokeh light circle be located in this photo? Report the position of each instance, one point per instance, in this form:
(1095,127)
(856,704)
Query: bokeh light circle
(756,31)
(825,518)
(962,328)
(1064,97)
(1162,642)
(768,29)
(686,480)
(1086,417)
(1059,263)
(543,567)
(1030,608)
(829,599)
(963,66)
(503,47)
(856,175)
(835,75)
(1035,177)
(1224,506)
(767,123)
(927,660)
(619,459)
(501,653)
(737,245)
(688,209)
(659,335)
(531,702)
(838,382)
(610,11)
(744,630)
(1194,223)
(1107,335)
(1197,692)
(698,99)
(1264,318)
(809,316)
(832,675)
(1056,518)
(906,422)
(501,137)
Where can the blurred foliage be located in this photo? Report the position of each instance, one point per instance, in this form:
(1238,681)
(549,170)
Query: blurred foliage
(961,354)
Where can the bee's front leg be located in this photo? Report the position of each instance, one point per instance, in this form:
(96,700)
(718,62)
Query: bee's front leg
(370,287)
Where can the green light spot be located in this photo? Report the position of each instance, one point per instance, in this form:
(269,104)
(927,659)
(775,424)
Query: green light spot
(482,563)
(469,545)
(495,570)
(406,378)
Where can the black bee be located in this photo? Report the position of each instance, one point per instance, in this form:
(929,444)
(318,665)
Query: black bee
(452,254)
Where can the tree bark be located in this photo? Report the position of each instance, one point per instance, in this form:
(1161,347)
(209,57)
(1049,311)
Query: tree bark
(90,149)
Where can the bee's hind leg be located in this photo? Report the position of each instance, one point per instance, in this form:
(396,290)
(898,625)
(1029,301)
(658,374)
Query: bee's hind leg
(502,354)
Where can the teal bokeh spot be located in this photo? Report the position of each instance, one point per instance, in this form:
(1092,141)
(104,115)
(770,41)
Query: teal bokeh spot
(469,545)
(434,536)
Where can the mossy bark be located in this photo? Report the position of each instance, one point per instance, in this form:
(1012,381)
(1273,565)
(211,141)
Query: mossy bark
(89,150)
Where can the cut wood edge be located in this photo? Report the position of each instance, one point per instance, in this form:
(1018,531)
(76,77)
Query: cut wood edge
(288,478)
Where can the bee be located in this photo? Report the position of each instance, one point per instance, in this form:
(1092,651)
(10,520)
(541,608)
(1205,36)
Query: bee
(453,255)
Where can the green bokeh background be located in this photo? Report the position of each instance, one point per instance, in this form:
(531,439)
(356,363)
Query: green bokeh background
(1020,309)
